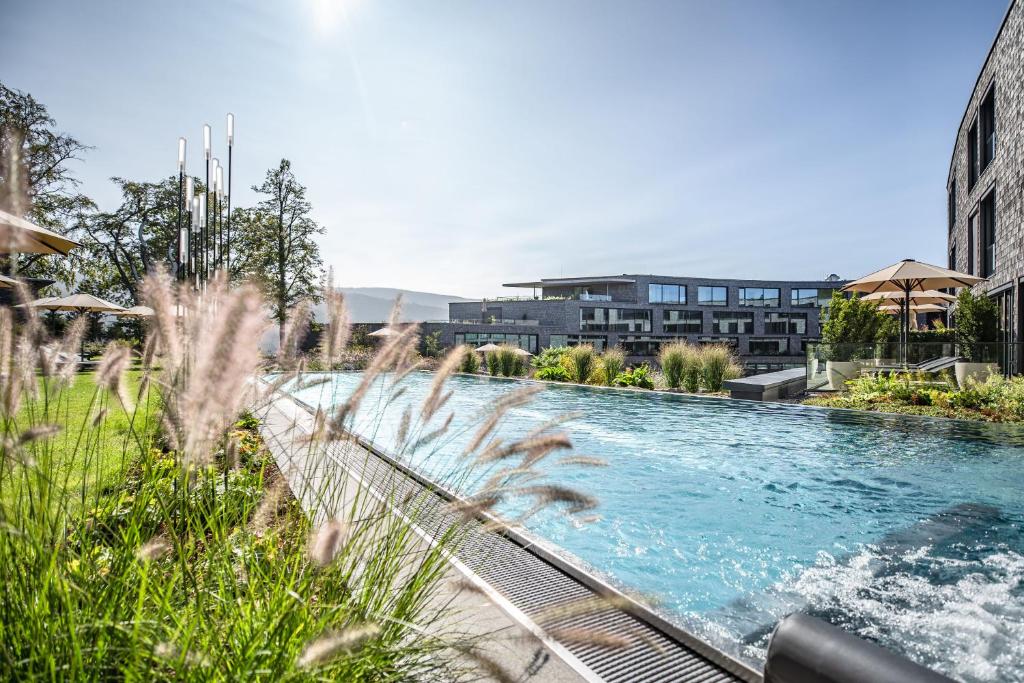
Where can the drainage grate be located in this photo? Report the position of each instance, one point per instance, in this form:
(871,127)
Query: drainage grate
(533,580)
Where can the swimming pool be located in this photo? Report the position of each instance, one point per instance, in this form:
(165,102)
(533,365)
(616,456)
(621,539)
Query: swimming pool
(732,514)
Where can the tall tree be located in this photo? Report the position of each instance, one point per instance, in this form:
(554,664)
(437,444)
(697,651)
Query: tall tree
(121,246)
(275,242)
(35,174)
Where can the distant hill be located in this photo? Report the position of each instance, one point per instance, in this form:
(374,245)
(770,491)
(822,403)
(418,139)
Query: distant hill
(373,304)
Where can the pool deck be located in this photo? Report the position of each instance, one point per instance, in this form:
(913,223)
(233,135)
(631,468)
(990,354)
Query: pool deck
(497,583)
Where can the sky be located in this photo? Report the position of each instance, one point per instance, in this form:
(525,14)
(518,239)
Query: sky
(451,146)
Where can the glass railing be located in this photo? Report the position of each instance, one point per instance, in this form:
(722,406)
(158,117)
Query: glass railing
(496,321)
(830,366)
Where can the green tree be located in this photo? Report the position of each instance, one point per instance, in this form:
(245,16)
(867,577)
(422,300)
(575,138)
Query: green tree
(852,324)
(976,323)
(119,247)
(36,181)
(274,243)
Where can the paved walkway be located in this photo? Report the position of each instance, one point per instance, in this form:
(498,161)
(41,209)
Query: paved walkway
(323,483)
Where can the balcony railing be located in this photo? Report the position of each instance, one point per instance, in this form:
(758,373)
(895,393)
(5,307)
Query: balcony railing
(829,366)
(607,298)
(496,321)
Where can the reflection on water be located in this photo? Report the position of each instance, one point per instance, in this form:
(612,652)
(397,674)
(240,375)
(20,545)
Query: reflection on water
(904,530)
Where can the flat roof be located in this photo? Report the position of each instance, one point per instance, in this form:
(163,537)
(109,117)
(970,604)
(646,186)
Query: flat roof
(567,281)
(631,279)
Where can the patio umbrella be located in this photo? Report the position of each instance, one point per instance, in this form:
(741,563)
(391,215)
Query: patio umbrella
(931,296)
(487,348)
(19,236)
(80,303)
(384,332)
(137,312)
(7,281)
(910,276)
(522,352)
(916,308)
(38,302)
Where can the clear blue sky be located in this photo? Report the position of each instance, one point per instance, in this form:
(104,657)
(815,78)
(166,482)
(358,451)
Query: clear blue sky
(452,146)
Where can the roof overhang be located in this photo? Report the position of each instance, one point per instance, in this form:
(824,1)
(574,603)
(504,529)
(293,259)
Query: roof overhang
(572,281)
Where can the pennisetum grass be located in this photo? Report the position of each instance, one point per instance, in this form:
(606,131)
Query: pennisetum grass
(146,533)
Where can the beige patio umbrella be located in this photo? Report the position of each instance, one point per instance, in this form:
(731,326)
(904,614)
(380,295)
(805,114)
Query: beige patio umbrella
(910,276)
(384,332)
(7,281)
(930,296)
(137,312)
(916,308)
(19,236)
(522,352)
(38,302)
(81,303)
(487,348)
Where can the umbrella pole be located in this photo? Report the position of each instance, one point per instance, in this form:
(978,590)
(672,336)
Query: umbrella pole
(906,323)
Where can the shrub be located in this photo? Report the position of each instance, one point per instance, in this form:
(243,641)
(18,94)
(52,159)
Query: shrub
(852,325)
(612,362)
(717,364)
(507,361)
(579,362)
(493,364)
(673,360)
(639,377)
(470,360)
(550,357)
(552,374)
(691,369)
(977,323)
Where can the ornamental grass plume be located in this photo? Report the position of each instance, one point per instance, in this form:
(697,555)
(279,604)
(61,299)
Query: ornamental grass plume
(207,362)
(323,649)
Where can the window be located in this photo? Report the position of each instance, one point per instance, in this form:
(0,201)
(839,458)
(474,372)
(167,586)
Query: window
(952,206)
(803,298)
(972,156)
(785,323)
(712,296)
(666,294)
(763,346)
(987,115)
(733,323)
(640,346)
(597,341)
(557,341)
(952,259)
(615,319)
(681,322)
(759,296)
(728,341)
(988,235)
(825,298)
(972,230)
(527,342)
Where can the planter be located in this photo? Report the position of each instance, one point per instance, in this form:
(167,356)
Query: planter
(840,371)
(975,372)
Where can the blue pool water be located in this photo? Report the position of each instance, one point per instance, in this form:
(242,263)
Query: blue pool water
(732,514)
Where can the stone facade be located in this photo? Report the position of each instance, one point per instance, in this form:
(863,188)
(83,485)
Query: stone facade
(1003,75)
(557,310)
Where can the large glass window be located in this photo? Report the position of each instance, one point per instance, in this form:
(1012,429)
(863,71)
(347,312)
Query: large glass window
(952,205)
(640,346)
(682,322)
(987,116)
(557,341)
(615,319)
(972,230)
(763,346)
(767,297)
(729,322)
(825,297)
(666,294)
(712,296)
(527,342)
(988,234)
(785,323)
(972,156)
(807,298)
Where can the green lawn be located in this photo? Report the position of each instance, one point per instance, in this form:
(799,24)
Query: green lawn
(84,459)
